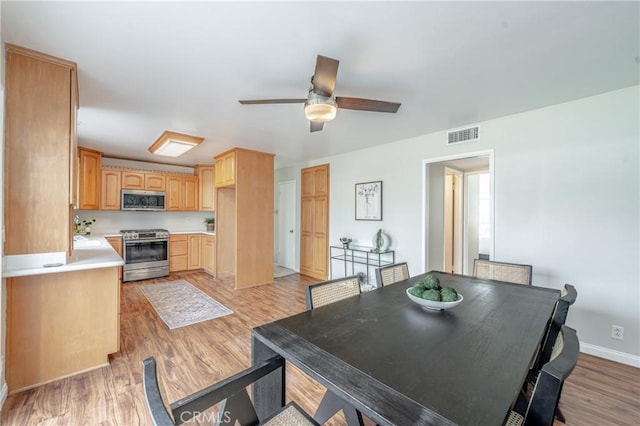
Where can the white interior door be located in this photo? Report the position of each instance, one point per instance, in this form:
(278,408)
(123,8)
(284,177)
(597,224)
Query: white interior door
(286,253)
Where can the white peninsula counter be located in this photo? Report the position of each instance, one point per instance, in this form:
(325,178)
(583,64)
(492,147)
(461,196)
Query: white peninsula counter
(91,253)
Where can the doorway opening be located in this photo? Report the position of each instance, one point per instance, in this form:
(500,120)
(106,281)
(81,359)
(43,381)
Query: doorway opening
(286,225)
(457,211)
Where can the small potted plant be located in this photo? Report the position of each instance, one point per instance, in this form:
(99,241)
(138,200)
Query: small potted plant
(210,222)
(82,226)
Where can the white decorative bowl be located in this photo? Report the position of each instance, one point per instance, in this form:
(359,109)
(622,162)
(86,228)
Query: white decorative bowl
(432,305)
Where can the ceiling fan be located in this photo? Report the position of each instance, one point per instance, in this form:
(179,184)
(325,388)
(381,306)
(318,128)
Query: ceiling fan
(321,104)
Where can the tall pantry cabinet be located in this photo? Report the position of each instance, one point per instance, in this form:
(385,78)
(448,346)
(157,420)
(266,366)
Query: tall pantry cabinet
(244,216)
(40,150)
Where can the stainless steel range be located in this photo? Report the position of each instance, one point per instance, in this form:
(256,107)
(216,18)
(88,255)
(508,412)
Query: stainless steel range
(146,254)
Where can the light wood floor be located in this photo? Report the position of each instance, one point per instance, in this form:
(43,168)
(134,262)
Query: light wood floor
(599,392)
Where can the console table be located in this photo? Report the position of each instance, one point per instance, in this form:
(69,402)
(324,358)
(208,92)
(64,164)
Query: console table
(360,255)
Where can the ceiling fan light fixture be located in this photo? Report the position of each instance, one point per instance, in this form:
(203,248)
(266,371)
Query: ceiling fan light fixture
(320,108)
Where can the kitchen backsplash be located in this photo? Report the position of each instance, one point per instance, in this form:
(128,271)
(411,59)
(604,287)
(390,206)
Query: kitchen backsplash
(108,222)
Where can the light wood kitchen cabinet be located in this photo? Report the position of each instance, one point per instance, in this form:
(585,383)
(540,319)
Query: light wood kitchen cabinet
(132,180)
(40,158)
(60,324)
(206,187)
(110,185)
(190,193)
(174,193)
(314,222)
(182,193)
(193,256)
(244,218)
(74,161)
(116,243)
(89,179)
(178,252)
(208,254)
(185,252)
(154,182)
(144,181)
(226,169)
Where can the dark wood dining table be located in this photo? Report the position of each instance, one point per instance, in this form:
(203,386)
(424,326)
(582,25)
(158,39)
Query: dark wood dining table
(400,364)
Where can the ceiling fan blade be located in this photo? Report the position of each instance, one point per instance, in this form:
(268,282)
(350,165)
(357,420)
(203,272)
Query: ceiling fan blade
(324,78)
(367,104)
(316,126)
(273,101)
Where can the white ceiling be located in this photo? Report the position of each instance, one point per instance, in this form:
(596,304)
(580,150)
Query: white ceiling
(154,66)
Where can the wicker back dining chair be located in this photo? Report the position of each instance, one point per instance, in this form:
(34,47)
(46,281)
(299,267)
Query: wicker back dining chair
(541,408)
(232,393)
(391,274)
(321,294)
(502,271)
(326,292)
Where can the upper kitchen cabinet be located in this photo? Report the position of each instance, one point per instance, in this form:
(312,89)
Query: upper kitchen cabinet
(182,193)
(110,198)
(154,182)
(40,150)
(89,179)
(226,169)
(132,180)
(206,187)
(145,181)
(190,193)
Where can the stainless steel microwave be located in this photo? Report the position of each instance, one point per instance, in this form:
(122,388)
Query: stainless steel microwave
(134,199)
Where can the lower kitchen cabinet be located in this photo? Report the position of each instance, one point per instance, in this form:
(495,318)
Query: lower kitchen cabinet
(178,252)
(58,325)
(208,253)
(193,256)
(188,252)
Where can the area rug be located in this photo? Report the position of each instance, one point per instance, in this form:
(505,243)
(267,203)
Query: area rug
(179,303)
(281,271)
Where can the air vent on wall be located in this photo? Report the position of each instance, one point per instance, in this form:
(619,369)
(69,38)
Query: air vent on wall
(470,134)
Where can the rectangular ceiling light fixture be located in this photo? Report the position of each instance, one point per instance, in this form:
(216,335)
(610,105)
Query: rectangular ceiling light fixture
(172,144)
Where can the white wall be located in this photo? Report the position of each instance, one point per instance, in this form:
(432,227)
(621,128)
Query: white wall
(566,182)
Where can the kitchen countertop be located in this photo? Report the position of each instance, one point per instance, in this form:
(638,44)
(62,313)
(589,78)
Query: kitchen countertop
(192,232)
(118,234)
(94,253)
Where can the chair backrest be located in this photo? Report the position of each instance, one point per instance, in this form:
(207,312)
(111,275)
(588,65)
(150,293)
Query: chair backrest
(392,274)
(326,292)
(567,298)
(501,271)
(569,293)
(546,393)
(231,392)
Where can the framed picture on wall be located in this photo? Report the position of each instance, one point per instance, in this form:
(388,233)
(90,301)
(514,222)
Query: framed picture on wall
(369,200)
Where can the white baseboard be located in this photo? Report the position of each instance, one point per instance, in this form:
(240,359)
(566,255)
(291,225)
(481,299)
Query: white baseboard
(610,354)
(3,394)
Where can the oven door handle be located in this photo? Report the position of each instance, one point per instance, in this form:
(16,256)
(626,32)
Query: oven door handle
(157,240)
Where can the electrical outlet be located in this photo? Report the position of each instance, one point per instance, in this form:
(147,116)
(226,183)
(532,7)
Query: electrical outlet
(617,332)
